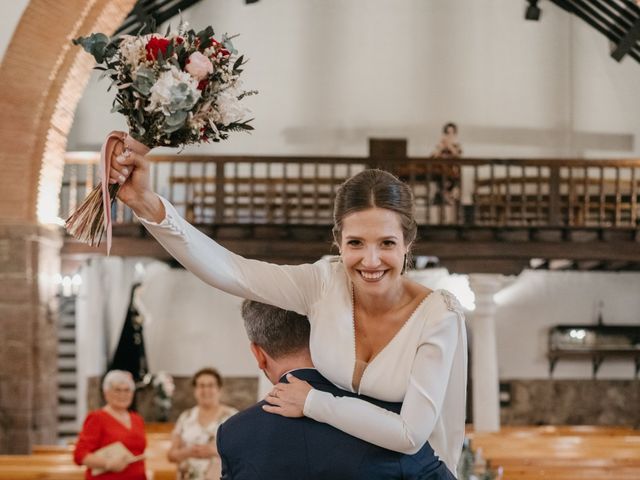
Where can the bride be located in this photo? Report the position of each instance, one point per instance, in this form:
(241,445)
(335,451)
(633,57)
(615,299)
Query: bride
(373,330)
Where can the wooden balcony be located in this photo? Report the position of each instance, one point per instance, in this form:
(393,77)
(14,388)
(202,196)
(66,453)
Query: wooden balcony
(474,214)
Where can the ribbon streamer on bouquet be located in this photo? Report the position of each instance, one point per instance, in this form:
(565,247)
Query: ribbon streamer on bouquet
(108,147)
(105,168)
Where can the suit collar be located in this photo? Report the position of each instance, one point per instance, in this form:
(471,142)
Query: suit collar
(306,374)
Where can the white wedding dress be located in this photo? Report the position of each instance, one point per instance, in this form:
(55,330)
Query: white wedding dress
(424,366)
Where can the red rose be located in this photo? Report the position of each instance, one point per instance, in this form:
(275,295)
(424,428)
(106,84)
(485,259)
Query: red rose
(155,45)
(179,40)
(202,84)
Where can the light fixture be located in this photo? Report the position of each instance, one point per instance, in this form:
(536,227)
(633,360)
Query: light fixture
(532,12)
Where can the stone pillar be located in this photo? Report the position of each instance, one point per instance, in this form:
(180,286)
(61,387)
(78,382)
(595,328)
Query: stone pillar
(29,259)
(484,354)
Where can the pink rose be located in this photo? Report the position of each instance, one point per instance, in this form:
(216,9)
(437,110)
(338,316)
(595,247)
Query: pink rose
(199,66)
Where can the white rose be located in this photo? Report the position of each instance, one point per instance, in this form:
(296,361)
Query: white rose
(230,108)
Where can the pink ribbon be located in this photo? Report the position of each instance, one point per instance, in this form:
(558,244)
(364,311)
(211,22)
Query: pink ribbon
(105,167)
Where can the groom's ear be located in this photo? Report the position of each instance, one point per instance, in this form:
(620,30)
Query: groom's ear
(260,355)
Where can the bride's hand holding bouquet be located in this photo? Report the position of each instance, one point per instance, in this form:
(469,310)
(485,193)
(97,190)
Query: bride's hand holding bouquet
(131,172)
(174,90)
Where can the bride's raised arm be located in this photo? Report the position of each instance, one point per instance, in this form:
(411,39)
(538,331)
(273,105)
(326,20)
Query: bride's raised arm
(292,287)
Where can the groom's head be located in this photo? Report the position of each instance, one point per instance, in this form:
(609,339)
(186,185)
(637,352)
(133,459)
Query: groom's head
(279,338)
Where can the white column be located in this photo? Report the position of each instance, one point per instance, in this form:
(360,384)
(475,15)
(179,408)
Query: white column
(484,354)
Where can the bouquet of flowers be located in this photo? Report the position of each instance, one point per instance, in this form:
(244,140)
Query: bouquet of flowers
(174,90)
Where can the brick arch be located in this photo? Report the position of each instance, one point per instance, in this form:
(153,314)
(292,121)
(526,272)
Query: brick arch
(42,78)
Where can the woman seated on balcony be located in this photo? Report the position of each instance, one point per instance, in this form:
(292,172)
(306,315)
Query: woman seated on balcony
(373,330)
(447,176)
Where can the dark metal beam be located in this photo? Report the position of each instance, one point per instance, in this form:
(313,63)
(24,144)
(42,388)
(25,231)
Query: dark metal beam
(147,14)
(628,42)
(602,19)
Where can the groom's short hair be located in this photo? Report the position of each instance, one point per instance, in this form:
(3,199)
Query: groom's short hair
(279,332)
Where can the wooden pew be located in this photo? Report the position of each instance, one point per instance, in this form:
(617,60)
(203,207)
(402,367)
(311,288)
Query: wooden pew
(44,467)
(561,452)
(55,462)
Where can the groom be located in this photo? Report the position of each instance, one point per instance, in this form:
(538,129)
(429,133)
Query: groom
(255,445)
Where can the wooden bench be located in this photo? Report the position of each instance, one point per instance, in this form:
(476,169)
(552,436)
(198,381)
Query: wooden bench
(524,453)
(561,452)
(55,462)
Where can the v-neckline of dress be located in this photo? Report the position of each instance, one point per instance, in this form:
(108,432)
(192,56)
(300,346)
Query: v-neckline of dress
(128,428)
(382,350)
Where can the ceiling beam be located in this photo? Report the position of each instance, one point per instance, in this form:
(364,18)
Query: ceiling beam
(628,42)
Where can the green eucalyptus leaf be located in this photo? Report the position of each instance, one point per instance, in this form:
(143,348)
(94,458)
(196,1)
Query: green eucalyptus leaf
(228,44)
(95,44)
(111,49)
(182,97)
(175,121)
(145,78)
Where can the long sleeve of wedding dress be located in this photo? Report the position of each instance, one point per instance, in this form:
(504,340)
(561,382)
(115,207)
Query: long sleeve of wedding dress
(292,287)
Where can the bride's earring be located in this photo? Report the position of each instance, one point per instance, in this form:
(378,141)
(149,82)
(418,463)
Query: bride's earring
(404,265)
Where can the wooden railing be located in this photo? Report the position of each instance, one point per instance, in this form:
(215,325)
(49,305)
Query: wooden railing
(456,192)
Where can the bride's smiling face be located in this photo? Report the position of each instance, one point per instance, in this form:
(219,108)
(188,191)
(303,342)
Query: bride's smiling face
(373,249)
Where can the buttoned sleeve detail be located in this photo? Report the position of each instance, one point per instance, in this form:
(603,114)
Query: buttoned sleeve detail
(408,431)
(292,287)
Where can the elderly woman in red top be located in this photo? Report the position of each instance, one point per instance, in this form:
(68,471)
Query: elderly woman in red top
(112,424)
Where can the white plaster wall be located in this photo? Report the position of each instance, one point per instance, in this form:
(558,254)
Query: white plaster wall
(332,73)
(11,11)
(537,300)
(190,325)
(101,309)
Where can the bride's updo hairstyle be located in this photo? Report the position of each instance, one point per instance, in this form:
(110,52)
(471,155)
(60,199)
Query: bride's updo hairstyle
(374,188)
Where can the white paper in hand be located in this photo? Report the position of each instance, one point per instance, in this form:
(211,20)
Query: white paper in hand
(114,450)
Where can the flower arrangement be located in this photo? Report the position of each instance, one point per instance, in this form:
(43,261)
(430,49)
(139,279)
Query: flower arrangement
(472,465)
(163,389)
(174,90)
